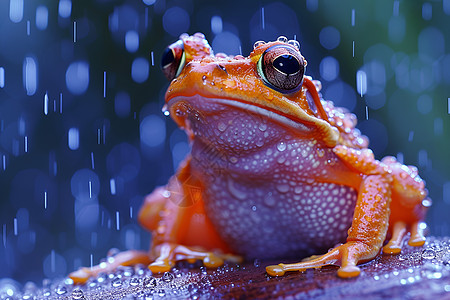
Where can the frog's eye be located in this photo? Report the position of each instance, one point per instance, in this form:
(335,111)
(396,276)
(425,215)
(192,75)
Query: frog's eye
(173,60)
(282,67)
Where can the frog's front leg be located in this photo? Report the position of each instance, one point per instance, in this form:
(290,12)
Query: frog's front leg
(181,230)
(184,231)
(365,237)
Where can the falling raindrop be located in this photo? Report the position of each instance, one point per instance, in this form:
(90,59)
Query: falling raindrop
(77,77)
(131,41)
(112,186)
(41,17)
(65,8)
(2,77)
(30,79)
(139,70)
(361,82)
(73,138)
(16,10)
(46,103)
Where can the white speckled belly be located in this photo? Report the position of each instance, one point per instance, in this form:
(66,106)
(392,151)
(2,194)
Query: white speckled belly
(265,221)
(268,186)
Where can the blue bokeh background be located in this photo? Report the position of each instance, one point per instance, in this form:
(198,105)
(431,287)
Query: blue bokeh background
(83,138)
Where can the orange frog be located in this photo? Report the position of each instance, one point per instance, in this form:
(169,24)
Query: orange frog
(275,171)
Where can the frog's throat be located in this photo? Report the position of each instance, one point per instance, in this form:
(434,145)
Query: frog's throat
(300,121)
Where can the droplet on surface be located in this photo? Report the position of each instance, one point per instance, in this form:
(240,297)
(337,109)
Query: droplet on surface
(167,277)
(428,254)
(149,282)
(117,282)
(221,126)
(77,294)
(281,146)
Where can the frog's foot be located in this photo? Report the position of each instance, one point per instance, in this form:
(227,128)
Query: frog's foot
(394,246)
(347,256)
(169,254)
(126,258)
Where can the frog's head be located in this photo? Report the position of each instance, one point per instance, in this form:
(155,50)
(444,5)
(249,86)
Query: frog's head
(269,83)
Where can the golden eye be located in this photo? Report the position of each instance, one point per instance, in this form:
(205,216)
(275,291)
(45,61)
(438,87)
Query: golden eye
(282,67)
(173,60)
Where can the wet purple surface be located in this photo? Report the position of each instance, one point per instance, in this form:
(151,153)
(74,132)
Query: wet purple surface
(417,273)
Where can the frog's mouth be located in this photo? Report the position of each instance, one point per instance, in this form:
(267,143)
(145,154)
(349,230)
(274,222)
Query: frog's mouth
(186,110)
(210,106)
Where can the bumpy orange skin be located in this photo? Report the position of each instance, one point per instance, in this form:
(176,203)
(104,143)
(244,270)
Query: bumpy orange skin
(390,195)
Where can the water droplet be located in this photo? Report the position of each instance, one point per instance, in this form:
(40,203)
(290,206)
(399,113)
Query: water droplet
(282,39)
(262,127)
(298,190)
(428,254)
(320,152)
(254,207)
(167,277)
(294,43)
(149,282)
(258,43)
(101,277)
(221,126)
(116,282)
(257,263)
(134,281)
(282,188)
(233,160)
(281,146)
(269,200)
(259,143)
(61,290)
(77,294)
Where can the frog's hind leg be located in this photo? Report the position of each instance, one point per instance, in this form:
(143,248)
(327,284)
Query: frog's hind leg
(417,238)
(365,237)
(399,230)
(394,246)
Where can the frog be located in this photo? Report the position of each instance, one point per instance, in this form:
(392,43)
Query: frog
(275,171)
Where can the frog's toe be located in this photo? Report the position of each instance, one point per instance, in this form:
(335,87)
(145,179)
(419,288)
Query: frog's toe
(160,266)
(417,238)
(349,271)
(168,254)
(212,261)
(126,258)
(394,246)
(276,270)
(400,229)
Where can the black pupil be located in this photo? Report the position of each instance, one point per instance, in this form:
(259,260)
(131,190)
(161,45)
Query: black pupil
(167,57)
(287,64)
